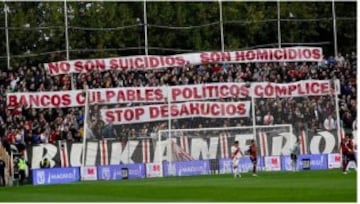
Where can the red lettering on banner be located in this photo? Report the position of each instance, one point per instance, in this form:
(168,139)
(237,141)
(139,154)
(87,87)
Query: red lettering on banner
(315,88)
(241,108)
(278,54)
(156,167)
(113,64)
(250,55)
(158,94)
(325,88)
(90,171)
(80,99)
(180,60)
(292,54)
(307,53)
(170,61)
(139,63)
(110,118)
(183,110)
(262,54)
(258,90)
(109,95)
(23,101)
(337,158)
(223,91)
(292,88)
(269,90)
(194,108)
(154,62)
(215,110)
(316,54)
(204,58)
(45,100)
(139,112)
(164,111)
(127,115)
(274,161)
(58,67)
(301,91)
(154,112)
(280,90)
(89,65)
(239,56)
(175,92)
(124,64)
(34,100)
(11,101)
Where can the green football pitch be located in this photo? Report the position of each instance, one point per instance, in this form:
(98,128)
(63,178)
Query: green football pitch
(303,186)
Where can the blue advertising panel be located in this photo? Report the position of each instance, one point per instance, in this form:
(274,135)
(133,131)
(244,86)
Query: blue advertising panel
(244,164)
(117,172)
(55,175)
(186,168)
(317,161)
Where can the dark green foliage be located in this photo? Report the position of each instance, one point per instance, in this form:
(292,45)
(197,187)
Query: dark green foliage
(246,25)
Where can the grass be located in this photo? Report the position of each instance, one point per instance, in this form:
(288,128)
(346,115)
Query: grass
(304,186)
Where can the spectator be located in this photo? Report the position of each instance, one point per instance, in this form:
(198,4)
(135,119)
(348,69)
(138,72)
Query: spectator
(329,123)
(268,119)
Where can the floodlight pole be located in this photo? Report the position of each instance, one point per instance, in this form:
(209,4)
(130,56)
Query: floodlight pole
(221,26)
(334,28)
(279,23)
(6,9)
(146,30)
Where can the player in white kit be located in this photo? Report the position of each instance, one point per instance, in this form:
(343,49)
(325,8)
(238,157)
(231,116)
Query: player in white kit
(235,156)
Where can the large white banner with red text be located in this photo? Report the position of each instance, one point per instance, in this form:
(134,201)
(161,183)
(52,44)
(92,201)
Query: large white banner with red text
(152,113)
(198,92)
(289,54)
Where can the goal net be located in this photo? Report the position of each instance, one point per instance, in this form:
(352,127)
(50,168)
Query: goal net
(206,150)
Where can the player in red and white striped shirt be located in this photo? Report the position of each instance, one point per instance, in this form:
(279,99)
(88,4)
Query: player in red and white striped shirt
(235,156)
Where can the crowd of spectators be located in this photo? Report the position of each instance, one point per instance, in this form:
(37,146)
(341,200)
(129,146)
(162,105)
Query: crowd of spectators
(28,126)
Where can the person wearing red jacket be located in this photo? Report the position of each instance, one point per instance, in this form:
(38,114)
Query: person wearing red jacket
(350,153)
(253,155)
(345,153)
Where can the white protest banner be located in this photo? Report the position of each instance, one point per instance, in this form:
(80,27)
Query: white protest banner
(62,99)
(296,89)
(290,54)
(53,99)
(76,98)
(140,114)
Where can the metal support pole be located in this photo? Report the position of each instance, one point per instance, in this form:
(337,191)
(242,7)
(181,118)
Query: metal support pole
(279,23)
(145,30)
(67,43)
(85,125)
(334,28)
(221,26)
(171,170)
(6,10)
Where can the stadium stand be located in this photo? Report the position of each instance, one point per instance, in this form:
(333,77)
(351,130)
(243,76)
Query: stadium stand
(23,127)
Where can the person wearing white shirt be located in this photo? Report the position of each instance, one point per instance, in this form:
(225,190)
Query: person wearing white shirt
(268,119)
(235,156)
(329,123)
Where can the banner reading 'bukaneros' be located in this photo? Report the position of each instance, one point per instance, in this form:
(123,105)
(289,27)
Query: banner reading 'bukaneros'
(289,54)
(140,114)
(63,99)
